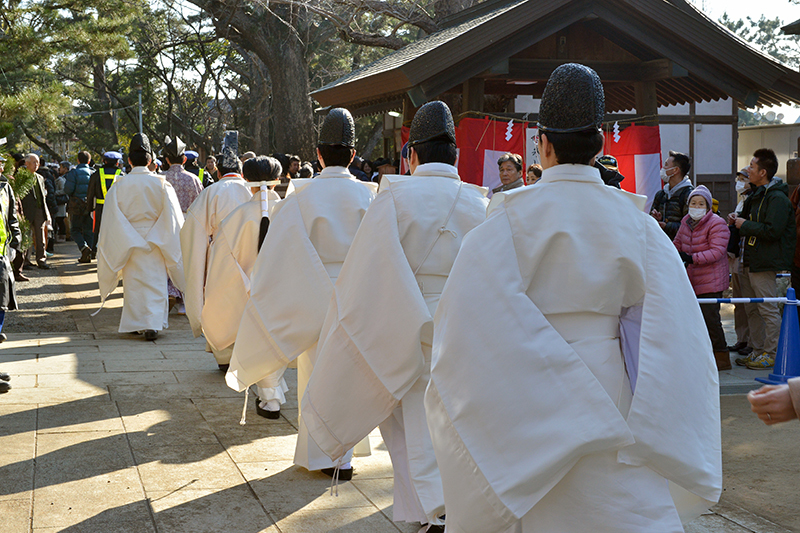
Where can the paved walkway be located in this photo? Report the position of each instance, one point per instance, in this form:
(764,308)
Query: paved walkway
(105,432)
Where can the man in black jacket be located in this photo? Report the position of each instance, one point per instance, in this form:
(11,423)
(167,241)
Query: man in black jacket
(767,226)
(671,203)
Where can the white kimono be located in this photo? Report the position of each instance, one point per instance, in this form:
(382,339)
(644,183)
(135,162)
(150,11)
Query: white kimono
(204,216)
(230,264)
(563,294)
(140,242)
(373,361)
(308,239)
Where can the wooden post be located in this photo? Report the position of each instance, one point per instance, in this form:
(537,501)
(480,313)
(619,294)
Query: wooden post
(472,95)
(408,111)
(646,100)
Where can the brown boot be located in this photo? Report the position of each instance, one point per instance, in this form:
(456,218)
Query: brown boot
(723,359)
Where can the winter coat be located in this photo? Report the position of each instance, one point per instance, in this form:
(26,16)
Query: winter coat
(78,181)
(50,189)
(10,241)
(707,243)
(673,209)
(769,229)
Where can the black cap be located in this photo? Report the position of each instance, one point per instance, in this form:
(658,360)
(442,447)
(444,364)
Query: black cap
(573,101)
(173,148)
(338,128)
(431,122)
(140,144)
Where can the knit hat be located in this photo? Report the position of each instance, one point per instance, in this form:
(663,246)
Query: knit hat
(701,190)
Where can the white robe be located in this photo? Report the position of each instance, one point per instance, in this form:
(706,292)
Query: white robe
(529,404)
(230,264)
(309,236)
(374,356)
(140,242)
(210,208)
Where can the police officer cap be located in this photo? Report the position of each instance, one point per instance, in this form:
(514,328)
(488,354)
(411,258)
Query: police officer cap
(191,154)
(338,128)
(608,161)
(433,121)
(112,155)
(174,148)
(140,144)
(573,101)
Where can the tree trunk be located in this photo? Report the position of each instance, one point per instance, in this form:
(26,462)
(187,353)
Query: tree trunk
(101,93)
(273,36)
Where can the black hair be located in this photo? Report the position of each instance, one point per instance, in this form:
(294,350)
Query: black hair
(575,148)
(261,168)
(683,161)
(536,169)
(177,161)
(766,160)
(436,151)
(306,171)
(139,159)
(294,158)
(283,159)
(229,170)
(514,158)
(84,157)
(335,155)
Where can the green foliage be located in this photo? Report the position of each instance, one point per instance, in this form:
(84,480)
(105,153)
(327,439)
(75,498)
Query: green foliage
(22,182)
(766,35)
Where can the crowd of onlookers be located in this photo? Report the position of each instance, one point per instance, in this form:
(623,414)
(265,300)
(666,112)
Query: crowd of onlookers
(744,251)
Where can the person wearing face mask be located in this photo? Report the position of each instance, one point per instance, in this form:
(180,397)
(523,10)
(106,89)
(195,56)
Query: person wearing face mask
(743,190)
(670,204)
(702,242)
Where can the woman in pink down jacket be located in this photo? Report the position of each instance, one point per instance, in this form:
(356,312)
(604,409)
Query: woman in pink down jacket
(702,242)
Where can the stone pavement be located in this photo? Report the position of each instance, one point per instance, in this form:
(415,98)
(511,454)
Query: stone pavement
(105,432)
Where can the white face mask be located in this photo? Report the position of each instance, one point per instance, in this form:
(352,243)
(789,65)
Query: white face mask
(664,176)
(697,212)
(740,186)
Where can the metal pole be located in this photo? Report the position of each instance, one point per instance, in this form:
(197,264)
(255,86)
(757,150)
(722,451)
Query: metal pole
(139,89)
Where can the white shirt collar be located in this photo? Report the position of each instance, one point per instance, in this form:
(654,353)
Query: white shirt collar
(442,170)
(571,173)
(335,172)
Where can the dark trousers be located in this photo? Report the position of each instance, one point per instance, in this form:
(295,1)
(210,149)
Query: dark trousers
(61,226)
(713,322)
(81,229)
(39,228)
(98,219)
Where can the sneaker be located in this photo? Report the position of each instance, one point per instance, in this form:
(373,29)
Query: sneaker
(86,255)
(48,254)
(742,361)
(761,362)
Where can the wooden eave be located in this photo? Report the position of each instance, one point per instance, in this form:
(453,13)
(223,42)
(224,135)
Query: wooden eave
(715,63)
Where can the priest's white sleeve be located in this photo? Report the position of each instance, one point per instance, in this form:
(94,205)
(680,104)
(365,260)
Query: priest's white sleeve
(369,354)
(501,443)
(225,296)
(194,246)
(289,295)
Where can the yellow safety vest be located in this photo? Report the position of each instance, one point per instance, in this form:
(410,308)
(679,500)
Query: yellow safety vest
(103,184)
(200,176)
(5,201)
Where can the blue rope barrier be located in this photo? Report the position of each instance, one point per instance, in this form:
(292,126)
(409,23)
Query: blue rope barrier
(746,301)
